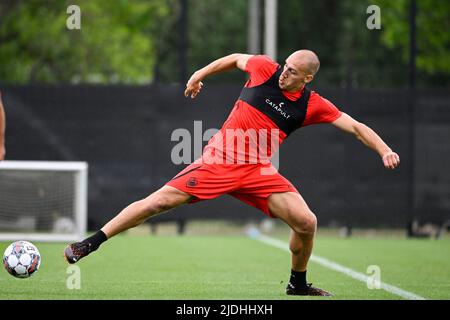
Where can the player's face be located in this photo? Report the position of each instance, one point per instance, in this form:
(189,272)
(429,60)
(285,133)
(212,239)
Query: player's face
(293,76)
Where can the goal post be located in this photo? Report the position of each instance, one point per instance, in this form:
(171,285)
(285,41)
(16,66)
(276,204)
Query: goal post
(43,200)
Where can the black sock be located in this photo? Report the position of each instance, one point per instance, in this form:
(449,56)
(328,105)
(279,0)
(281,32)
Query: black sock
(96,240)
(298,279)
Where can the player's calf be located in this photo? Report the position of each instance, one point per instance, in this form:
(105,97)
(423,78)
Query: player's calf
(133,215)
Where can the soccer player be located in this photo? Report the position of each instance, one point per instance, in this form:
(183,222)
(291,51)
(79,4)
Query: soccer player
(274,102)
(2,129)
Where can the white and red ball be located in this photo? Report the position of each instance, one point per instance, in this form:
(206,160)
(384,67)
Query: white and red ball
(21,259)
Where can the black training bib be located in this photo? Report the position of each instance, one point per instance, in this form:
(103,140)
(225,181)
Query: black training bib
(268,98)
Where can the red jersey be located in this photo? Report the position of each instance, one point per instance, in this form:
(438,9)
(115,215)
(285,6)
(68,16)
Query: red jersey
(236,160)
(250,136)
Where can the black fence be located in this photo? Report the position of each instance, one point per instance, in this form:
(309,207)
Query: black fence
(124,133)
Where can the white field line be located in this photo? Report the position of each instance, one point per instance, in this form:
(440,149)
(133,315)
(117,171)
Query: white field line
(339,268)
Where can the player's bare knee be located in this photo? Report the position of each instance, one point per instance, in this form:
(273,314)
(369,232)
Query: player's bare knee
(311,223)
(157,203)
(307,225)
(164,203)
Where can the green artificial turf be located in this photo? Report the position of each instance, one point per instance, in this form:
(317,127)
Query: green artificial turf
(230,267)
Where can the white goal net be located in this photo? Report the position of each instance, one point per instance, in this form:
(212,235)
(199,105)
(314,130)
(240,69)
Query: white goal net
(43,200)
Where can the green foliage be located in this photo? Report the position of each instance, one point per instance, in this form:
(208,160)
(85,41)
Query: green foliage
(114,44)
(433,38)
(137,41)
(216,28)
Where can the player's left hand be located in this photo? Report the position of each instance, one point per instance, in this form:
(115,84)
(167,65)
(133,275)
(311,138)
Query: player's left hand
(391,160)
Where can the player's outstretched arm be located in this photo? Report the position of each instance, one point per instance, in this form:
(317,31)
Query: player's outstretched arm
(195,84)
(2,129)
(390,159)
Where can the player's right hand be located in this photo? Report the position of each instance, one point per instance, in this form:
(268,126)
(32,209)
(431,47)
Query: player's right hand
(193,87)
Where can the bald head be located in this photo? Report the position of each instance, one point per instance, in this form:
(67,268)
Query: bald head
(299,69)
(306,60)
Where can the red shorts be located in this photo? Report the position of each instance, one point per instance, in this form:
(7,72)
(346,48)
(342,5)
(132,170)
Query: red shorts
(250,183)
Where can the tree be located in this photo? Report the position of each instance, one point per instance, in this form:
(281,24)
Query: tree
(433,38)
(137,41)
(215,28)
(115,43)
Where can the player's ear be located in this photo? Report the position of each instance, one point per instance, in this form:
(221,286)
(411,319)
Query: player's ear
(309,78)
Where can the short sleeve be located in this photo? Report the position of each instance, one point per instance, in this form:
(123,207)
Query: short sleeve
(260,68)
(320,110)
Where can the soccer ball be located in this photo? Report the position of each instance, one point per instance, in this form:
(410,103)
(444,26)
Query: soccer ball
(21,259)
